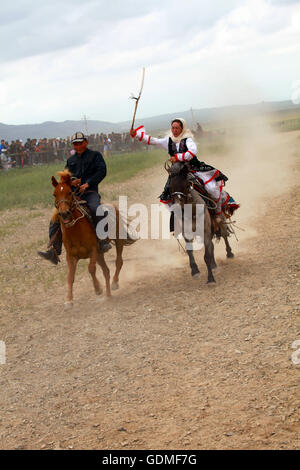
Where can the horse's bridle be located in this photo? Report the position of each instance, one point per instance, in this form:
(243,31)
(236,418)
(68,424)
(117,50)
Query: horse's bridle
(179,194)
(71,204)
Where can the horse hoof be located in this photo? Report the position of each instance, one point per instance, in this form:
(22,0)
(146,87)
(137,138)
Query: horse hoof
(211,281)
(99,292)
(115,285)
(230,255)
(196,276)
(68,305)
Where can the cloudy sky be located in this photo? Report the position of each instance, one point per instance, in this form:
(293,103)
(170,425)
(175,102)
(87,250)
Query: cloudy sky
(61,59)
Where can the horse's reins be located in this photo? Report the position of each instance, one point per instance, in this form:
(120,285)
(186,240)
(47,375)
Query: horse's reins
(178,193)
(71,205)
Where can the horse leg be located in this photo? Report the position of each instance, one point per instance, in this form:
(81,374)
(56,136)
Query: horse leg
(225,237)
(213,261)
(194,268)
(119,264)
(92,271)
(101,261)
(208,258)
(72,263)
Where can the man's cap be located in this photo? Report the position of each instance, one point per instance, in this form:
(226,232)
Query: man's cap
(78,137)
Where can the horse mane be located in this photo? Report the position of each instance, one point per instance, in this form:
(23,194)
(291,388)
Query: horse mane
(178,168)
(65,176)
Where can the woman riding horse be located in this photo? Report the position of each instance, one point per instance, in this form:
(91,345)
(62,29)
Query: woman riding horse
(181,147)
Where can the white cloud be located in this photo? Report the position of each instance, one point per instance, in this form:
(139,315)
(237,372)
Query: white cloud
(66,58)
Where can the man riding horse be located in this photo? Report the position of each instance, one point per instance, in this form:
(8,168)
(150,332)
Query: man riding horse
(88,169)
(181,147)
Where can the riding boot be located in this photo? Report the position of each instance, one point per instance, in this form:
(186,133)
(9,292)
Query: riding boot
(54,245)
(50,255)
(165,196)
(55,236)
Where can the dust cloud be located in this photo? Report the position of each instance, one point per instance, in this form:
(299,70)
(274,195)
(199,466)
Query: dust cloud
(260,166)
(259,163)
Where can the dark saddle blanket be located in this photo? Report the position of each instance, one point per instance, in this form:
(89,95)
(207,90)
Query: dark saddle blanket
(196,165)
(84,208)
(228,208)
(206,197)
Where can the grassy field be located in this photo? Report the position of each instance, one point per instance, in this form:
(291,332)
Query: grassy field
(287,125)
(31,187)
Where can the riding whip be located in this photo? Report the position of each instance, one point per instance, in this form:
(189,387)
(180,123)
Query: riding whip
(137,98)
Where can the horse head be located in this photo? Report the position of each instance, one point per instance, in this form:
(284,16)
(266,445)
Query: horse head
(64,199)
(179,182)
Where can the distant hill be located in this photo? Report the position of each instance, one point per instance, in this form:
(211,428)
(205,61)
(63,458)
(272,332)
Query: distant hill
(204,116)
(52,129)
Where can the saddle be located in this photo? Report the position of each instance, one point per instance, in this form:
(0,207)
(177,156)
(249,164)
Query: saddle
(228,208)
(200,188)
(195,165)
(84,209)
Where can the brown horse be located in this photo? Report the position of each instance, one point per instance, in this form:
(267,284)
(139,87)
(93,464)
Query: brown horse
(183,193)
(80,239)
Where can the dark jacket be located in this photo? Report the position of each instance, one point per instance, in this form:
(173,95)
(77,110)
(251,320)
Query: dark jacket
(90,167)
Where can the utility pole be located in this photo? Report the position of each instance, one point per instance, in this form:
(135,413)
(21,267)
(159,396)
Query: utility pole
(84,119)
(193,118)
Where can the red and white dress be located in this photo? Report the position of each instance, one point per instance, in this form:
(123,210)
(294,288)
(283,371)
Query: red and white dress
(183,151)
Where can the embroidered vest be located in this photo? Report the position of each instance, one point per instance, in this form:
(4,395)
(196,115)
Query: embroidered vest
(194,162)
(173,149)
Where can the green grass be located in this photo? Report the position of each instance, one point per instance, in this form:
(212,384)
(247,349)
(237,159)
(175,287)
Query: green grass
(287,125)
(123,167)
(31,187)
(27,187)
(9,227)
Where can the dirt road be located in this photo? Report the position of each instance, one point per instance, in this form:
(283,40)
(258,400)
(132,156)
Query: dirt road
(169,362)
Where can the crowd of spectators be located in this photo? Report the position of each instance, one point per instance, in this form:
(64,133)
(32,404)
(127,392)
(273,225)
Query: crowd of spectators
(17,154)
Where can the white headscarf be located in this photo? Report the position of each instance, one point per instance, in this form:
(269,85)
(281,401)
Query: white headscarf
(184,134)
